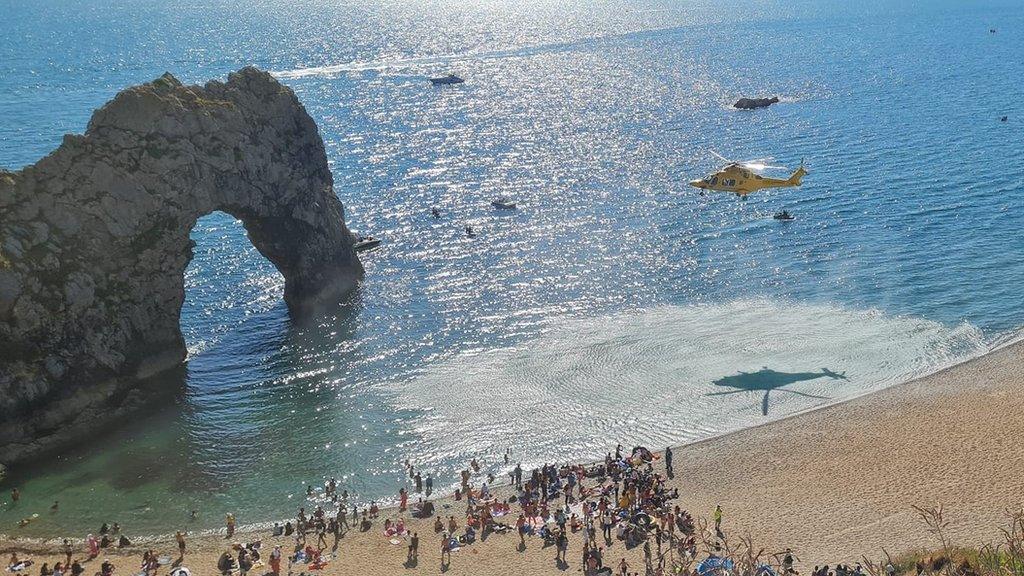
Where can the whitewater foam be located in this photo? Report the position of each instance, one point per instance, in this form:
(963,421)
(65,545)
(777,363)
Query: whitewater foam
(669,375)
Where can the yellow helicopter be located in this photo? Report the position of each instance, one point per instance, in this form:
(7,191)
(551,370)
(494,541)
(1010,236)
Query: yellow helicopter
(744,177)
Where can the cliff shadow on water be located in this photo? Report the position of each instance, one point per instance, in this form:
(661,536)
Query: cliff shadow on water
(157,439)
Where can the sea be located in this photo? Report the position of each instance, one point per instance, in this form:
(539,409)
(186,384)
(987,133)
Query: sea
(616,305)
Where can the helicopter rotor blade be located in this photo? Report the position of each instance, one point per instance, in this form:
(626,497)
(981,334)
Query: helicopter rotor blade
(720,157)
(757,166)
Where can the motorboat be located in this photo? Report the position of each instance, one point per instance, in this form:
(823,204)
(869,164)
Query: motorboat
(503,203)
(364,243)
(445,80)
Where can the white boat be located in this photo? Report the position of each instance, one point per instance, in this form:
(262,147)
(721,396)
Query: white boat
(364,243)
(503,203)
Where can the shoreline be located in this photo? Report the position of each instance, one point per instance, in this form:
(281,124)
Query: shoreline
(389,504)
(770,470)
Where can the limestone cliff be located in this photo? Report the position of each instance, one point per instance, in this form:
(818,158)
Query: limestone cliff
(94,241)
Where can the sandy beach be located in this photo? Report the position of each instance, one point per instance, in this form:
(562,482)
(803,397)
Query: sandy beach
(833,484)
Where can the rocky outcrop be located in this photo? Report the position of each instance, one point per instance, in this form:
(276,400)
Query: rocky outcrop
(752,103)
(94,241)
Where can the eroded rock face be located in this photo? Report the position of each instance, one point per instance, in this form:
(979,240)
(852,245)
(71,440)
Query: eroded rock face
(94,241)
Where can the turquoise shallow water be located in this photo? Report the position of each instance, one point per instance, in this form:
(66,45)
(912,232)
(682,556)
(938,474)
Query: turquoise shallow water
(615,304)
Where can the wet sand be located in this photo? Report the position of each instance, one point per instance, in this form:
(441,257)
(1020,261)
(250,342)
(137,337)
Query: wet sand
(834,484)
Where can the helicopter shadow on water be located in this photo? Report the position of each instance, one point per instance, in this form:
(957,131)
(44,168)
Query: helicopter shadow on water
(766,380)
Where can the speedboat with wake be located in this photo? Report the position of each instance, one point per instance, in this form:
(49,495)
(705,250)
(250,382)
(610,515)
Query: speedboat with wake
(784,215)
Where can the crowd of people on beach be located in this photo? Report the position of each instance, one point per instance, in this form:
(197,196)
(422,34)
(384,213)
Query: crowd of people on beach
(623,501)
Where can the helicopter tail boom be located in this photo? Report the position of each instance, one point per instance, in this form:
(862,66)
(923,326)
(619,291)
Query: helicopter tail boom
(797,176)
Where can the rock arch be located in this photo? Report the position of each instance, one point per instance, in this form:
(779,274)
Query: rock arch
(94,240)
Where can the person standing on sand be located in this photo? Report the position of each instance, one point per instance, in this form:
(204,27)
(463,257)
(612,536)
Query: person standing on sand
(562,545)
(430,485)
(93,546)
(414,547)
(403,499)
(446,551)
(419,482)
(668,461)
(787,562)
(229,520)
(181,543)
(68,550)
(718,519)
(275,561)
(321,535)
(606,525)
(623,567)
(342,520)
(334,527)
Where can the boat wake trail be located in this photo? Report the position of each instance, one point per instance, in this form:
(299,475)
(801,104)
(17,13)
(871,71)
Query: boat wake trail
(414,63)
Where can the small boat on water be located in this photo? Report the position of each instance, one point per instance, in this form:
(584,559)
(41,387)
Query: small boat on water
(364,243)
(444,80)
(503,203)
(784,215)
